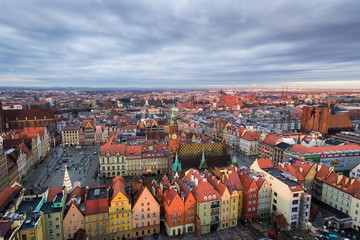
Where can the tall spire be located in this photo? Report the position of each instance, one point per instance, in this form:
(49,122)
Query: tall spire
(234,161)
(203,161)
(176,167)
(67,181)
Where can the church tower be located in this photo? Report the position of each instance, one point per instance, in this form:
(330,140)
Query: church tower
(1,118)
(173,127)
(173,139)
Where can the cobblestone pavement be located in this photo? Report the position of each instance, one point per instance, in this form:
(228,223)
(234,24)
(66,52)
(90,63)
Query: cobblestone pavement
(82,166)
(235,233)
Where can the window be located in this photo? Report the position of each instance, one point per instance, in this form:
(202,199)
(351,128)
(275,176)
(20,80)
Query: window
(50,223)
(74,227)
(204,206)
(295,202)
(250,196)
(296,195)
(68,229)
(295,209)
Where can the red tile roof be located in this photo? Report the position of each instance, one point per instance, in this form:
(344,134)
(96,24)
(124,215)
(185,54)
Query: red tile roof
(265,163)
(7,194)
(112,149)
(98,204)
(133,150)
(339,121)
(303,167)
(322,171)
(271,139)
(288,168)
(53,192)
(251,136)
(246,180)
(33,131)
(313,150)
(118,185)
(170,195)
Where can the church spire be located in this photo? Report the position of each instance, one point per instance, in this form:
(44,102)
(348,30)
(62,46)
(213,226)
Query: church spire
(67,181)
(203,161)
(234,161)
(176,167)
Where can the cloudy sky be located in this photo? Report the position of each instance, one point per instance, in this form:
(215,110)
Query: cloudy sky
(180,44)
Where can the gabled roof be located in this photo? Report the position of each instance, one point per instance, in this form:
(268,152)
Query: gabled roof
(182,187)
(217,184)
(170,195)
(139,194)
(73,203)
(77,192)
(246,180)
(118,185)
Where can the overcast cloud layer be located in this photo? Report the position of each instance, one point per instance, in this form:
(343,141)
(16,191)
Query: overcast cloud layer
(187,44)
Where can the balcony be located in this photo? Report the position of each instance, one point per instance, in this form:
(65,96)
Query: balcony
(215,220)
(215,212)
(215,204)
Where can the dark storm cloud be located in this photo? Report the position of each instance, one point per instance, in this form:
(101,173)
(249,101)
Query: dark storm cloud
(180,43)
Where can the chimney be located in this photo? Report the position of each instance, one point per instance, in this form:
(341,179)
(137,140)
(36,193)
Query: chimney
(192,177)
(196,181)
(301,169)
(204,180)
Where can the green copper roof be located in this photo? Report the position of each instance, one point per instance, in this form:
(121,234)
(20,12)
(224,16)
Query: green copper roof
(234,160)
(176,167)
(203,162)
(173,116)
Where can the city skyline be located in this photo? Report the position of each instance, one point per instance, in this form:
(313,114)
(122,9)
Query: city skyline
(174,45)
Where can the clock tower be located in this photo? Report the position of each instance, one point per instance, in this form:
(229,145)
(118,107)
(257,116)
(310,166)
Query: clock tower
(173,133)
